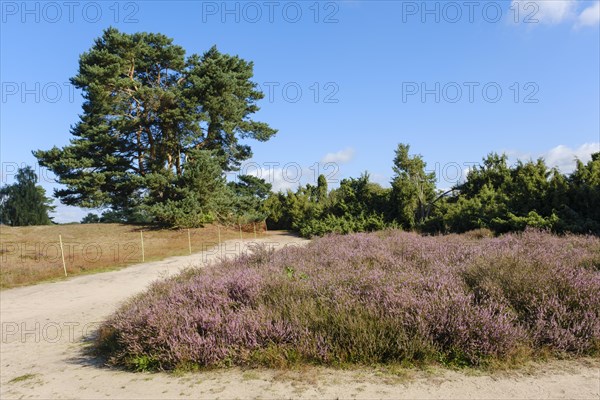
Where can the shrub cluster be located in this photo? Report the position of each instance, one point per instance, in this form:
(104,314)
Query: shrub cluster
(495,196)
(385,297)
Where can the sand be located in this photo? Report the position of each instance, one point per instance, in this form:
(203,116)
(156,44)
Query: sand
(45,329)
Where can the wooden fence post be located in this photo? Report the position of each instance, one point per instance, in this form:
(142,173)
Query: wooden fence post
(142,238)
(62,253)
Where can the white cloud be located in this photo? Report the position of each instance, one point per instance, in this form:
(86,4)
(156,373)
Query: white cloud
(281,179)
(554,12)
(590,16)
(562,157)
(465,173)
(287,177)
(290,175)
(341,157)
(382,179)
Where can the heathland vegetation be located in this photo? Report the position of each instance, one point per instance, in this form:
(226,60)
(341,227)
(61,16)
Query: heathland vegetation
(370,298)
(157,135)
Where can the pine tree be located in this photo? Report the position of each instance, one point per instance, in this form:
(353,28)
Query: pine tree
(413,189)
(147,108)
(321,189)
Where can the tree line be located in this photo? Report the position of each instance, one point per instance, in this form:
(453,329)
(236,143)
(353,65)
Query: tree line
(494,196)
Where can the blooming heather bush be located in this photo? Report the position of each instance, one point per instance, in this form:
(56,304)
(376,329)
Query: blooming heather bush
(551,283)
(369,298)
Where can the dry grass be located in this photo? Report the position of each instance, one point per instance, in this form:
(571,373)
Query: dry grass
(32,254)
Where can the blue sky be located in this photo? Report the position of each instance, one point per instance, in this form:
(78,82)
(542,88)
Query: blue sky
(345,81)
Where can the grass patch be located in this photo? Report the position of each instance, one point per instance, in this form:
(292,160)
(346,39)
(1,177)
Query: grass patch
(23,378)
(370,299)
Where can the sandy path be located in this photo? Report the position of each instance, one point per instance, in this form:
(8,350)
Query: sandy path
(43,327)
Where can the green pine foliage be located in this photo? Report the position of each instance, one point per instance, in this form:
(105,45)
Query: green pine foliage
(495,197)
(199,196)
(529,194)
(249,196)
(358,205)
(413,189)
(148,110)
